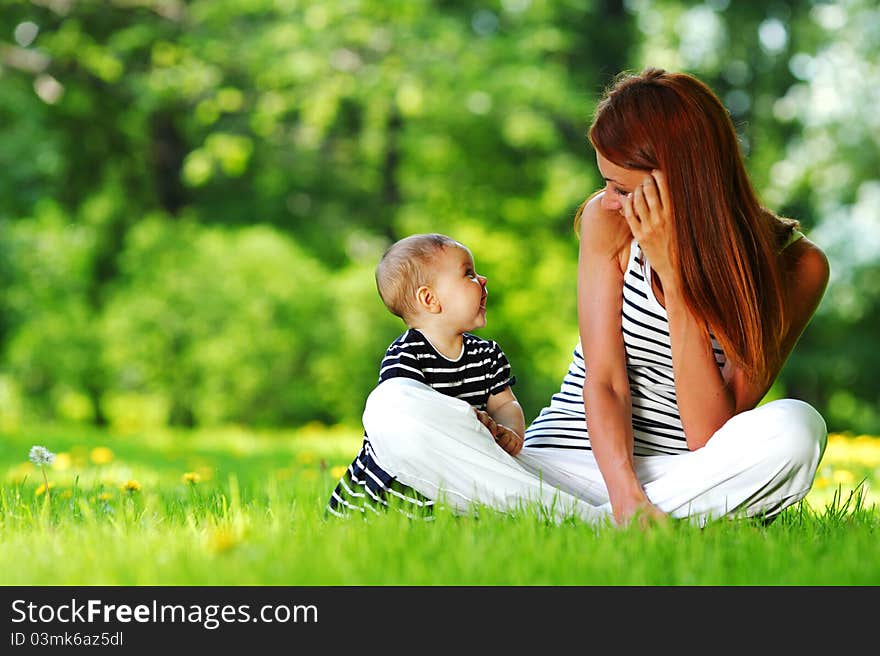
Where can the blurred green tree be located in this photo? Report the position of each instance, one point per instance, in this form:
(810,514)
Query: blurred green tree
(144,139)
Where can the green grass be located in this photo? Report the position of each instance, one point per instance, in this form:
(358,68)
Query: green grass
(255,517)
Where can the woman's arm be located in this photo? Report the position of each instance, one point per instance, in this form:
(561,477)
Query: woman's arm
(705,402)
(707,398)
(807,272)
(604,236)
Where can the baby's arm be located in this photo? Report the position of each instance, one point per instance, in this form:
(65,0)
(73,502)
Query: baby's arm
(506,410)
(510,423)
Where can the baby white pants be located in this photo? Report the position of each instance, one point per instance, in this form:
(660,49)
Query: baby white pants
(759,462)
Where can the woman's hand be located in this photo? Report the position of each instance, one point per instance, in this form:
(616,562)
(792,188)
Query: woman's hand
(507,439)
(641,512)
(648,212)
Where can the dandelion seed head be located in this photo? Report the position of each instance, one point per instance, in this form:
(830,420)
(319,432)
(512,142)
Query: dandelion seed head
(40,455)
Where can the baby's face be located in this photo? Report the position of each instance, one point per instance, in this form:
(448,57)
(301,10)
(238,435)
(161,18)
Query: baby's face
(460,289)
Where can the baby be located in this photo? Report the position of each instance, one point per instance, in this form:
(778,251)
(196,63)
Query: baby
(431,283)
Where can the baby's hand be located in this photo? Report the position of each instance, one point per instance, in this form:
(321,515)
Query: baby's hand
(487,421)
(507,439)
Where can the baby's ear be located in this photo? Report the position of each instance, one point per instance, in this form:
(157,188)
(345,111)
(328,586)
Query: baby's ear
(427,300)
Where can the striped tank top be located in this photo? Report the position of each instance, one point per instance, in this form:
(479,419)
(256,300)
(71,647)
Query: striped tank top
(656,422)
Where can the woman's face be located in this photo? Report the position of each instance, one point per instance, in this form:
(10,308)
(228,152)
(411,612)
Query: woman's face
(619,183)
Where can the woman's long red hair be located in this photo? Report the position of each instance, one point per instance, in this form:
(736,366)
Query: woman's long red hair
(727,244)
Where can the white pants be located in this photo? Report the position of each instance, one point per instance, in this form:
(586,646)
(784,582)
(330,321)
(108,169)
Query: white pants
(759,462)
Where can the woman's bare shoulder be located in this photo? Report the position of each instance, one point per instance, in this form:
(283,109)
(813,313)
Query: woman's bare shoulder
(807,274)
(808,269)
(604,233)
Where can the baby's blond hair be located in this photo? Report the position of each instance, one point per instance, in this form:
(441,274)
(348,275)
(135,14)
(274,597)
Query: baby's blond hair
(405,267)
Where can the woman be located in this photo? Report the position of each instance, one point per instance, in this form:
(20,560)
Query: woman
(691,296)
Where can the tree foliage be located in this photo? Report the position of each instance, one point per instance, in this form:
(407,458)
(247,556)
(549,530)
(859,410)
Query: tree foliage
(194,194)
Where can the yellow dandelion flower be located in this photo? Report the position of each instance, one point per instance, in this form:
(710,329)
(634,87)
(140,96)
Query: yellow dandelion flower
(42,489)
(284,473)
(20,471)
(338,471)
(62,461)
(131,486)
(821,483)
(191,477)
(205,473)
(843,476)
(101,455)
(67,494)
(222,540)
(105,496)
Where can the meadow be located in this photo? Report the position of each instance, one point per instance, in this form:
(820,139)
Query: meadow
(236,506)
